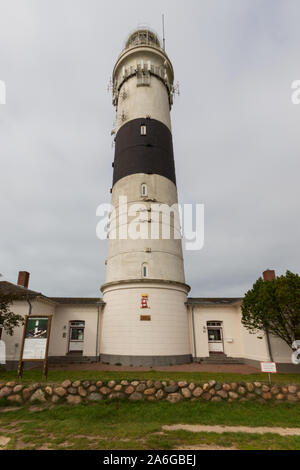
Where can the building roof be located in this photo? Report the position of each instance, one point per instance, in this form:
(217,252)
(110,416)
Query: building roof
(77,300)
(213,300)
(20,293)
(8,288)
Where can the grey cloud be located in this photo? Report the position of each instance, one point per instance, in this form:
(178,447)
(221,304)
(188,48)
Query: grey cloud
(236,135)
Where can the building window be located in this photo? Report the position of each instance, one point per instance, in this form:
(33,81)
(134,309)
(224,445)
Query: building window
(77,330)
(145,270)
(143,129)
(214,334)
(76,337)
(144,189)
(214,329)
(214,323)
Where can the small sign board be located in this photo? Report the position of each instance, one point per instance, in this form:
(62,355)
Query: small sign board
(35,341)
(36,334)
(268,367)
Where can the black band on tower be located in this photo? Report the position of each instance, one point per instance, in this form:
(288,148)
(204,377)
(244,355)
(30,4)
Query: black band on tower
(151,153)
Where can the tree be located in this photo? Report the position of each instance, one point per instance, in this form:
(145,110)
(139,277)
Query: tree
(274,306)
(8,320)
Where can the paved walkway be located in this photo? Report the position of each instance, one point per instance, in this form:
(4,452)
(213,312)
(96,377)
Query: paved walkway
(193,367)
(222,429)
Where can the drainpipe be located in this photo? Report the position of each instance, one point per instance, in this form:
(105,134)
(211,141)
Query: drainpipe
(23,281)
(269,345)
(29,313)
(97,334)
(269,275)
(30,306)
(194,335)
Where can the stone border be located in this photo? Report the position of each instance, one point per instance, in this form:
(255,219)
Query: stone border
(86,391)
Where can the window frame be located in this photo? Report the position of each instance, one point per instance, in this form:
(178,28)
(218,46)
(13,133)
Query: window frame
(76,325)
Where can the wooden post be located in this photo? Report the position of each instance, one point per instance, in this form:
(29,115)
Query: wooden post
(20,365)
(45,368)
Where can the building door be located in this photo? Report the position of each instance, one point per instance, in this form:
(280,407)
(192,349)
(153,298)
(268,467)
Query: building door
(76,336)
(215,337)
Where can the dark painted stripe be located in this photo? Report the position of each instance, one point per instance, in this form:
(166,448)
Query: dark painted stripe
(150,154)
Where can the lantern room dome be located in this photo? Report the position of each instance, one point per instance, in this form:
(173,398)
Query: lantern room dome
(143,36)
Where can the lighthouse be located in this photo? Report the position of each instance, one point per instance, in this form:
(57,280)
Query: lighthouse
(145,319)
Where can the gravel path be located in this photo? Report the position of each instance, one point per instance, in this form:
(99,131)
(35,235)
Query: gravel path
(222,429)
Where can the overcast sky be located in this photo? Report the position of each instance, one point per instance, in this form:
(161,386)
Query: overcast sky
(235,129)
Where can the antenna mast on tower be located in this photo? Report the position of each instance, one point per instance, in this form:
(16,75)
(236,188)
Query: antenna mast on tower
(164,37)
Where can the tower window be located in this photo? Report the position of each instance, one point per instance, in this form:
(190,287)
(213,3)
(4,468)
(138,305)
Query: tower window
(144,189)
(143,129)
(145,270)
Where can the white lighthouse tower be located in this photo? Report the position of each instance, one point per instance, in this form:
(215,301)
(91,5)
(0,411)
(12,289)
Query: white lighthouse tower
(145,319)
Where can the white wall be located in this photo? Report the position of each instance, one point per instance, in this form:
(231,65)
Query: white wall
(231,328)
(63,316)
(169,332)
(280,350)
(125,257)
(14,343)
(124,333)
(143,100)
(245,345)
(254,346)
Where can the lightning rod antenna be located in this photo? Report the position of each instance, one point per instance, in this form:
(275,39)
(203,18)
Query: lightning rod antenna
(164,37)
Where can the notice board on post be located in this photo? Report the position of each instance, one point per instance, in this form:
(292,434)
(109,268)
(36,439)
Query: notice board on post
(35,342)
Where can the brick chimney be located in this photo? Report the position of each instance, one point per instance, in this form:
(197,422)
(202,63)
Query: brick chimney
(269,275)
(23,279)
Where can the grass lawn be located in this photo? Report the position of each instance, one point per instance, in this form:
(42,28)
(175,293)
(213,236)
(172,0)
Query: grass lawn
(58,376)
(123,425)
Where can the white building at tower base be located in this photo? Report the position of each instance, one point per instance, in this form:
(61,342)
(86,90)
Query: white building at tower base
(215,333)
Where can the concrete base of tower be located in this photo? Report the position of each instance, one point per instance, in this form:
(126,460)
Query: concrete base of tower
(146,361)
(145,322)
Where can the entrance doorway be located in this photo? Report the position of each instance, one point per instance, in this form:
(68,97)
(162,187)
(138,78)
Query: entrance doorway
(215,337)
(76,337)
